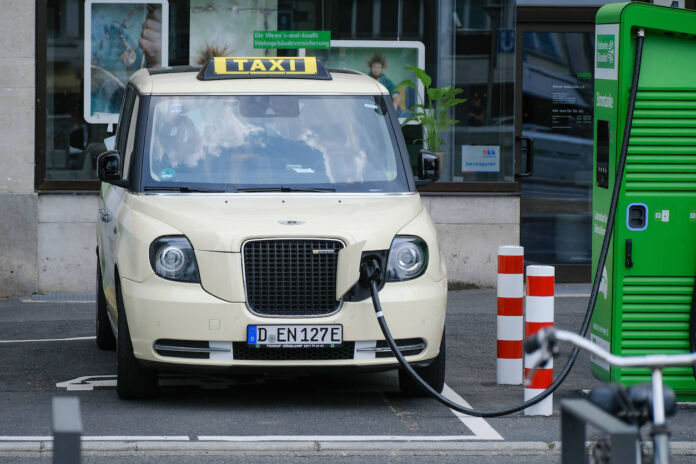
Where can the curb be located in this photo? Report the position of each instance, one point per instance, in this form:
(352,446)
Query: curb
(305,448)
(275,448)
(271,448)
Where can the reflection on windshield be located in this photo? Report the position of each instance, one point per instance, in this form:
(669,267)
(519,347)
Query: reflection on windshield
(342,142)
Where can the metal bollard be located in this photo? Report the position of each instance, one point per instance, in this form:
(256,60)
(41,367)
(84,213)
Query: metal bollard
(538,314)
(67,430)
(510,311)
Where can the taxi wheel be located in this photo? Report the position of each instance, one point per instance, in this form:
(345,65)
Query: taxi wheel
(133,381)
(433,374)
(105,336)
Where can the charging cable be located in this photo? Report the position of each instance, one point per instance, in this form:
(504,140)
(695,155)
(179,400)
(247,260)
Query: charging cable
(370,273)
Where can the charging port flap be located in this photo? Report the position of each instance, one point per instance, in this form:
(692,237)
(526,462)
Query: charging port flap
(348,268)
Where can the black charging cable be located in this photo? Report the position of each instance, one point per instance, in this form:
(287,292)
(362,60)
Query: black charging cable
(369,273)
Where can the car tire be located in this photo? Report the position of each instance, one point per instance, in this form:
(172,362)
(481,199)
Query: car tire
(134,382)
(105,335)
(433,374)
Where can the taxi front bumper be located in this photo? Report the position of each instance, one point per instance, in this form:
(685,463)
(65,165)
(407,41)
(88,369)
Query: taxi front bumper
(158,309)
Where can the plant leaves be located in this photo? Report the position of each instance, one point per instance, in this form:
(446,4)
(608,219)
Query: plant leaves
(422,75)
(405,83)
(434,113)
(436,94)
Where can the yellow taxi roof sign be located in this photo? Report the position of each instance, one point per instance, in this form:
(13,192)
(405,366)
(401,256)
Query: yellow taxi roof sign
(246,67)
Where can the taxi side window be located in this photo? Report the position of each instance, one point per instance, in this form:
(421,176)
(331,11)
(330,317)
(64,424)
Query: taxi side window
(124,124)
(130,141)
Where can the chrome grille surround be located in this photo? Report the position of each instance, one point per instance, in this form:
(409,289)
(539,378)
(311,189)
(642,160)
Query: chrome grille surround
(283,278)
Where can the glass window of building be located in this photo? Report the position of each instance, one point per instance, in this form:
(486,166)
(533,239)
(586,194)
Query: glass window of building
(480,146)
(557,113)
(467,43)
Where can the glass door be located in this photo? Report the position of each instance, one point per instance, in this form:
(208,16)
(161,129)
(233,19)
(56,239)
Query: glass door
(554,119)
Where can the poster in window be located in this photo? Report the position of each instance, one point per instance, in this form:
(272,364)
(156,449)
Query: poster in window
(226,28)
(121,36)
(382,60)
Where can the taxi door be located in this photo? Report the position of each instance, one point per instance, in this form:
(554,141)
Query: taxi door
(111,198)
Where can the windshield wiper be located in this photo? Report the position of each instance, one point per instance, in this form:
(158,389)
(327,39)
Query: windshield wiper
(184,189)
(286,189)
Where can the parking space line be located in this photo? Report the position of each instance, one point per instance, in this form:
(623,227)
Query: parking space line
(25,438)
(257,438)
(70,339)
(5,438)
(482,430)
(137,438)
(336,438)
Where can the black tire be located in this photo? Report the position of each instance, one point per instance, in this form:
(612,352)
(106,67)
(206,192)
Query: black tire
(105,336)
(134,382)
(433,374)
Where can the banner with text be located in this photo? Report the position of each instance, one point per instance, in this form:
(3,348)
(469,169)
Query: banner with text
(292,39)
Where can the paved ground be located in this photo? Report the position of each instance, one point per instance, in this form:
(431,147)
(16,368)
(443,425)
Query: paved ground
(309,418)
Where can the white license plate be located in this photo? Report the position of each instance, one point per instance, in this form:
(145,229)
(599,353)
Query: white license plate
(295,336)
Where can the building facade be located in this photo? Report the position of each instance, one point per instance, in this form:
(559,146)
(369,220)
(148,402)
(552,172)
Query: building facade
(525,69)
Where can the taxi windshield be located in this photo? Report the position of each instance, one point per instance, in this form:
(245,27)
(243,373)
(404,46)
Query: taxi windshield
(342,143)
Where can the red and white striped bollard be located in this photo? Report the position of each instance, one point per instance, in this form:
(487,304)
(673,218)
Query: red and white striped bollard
(538,315)
(510,311)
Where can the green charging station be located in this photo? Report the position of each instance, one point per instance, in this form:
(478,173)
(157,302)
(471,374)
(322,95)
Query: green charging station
(645,297)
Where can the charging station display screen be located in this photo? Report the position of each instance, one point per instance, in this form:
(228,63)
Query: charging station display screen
(602,154)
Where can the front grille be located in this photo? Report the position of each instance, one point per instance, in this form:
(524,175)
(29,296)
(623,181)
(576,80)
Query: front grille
(243,351)
(289,277)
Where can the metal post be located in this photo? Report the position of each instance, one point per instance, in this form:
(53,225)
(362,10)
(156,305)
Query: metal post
(624,448)
(510,330)
(538,315)
(659,431)
(658,398)
(572,437)
(67,431)
(576,414)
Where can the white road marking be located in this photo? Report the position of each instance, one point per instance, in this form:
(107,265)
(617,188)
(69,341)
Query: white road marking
(88,382)
(103,438)
(338,438)
(137,438)
(49,340)
(25,438)
(258,438)
(482,430)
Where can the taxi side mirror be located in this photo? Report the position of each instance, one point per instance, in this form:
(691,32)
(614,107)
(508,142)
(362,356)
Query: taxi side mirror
(428,165)
(109,168)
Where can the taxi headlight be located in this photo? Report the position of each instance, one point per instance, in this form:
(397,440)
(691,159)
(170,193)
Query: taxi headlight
(408,258)
(173,258)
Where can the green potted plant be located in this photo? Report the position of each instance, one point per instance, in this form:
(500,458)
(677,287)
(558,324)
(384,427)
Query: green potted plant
(432,112)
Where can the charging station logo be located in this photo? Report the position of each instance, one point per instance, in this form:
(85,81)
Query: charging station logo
(604,283)
(606,51)
(605,101)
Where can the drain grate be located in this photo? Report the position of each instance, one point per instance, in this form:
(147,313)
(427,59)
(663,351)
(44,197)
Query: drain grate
(65,297)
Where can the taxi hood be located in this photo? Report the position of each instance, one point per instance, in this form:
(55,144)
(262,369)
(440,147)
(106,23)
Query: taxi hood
(223,222)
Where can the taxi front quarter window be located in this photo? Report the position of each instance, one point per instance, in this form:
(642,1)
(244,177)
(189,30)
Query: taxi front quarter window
(117,166)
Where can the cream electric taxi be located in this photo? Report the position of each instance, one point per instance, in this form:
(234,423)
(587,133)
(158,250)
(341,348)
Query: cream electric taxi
(235,212)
